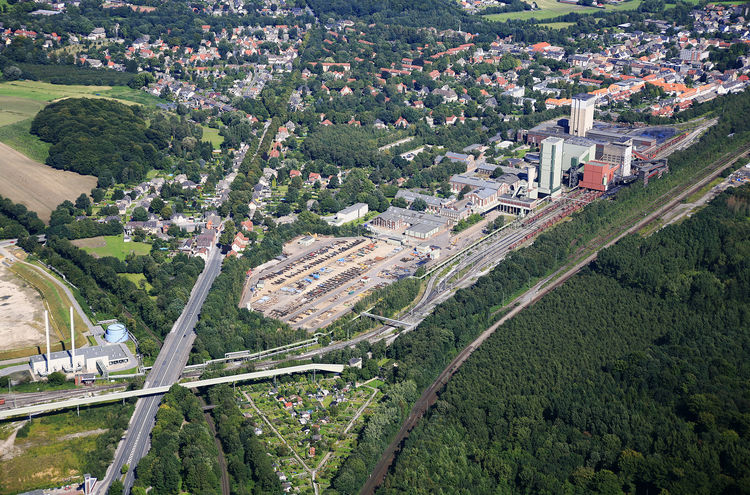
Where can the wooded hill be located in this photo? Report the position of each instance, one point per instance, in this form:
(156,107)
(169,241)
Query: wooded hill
(632,377)
(118,143)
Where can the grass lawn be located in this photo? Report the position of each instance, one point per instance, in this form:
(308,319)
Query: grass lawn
(558,25)
(136,278)
(112,245)
(212,136)
(130,95)
(14,109)
(30,387)
(47,92)
(18,137)
(549,9)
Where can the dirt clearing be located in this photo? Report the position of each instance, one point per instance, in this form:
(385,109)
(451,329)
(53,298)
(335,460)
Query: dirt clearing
(21,313)
(39,187)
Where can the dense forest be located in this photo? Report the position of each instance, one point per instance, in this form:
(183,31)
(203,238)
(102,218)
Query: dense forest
(249,466)
(632,377)
(99,137)
(183,456)
(426,351)
(118,143)
(346,147)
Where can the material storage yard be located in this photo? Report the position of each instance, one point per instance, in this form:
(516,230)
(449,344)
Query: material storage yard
(317,283)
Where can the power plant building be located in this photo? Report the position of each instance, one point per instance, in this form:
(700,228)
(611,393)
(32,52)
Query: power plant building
(582,114)
(598,175)
(550,166)
(620,154)
(116,333)
(576,152)
(86,359)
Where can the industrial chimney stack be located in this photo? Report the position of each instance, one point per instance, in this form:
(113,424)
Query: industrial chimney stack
(72,343)
(46,331)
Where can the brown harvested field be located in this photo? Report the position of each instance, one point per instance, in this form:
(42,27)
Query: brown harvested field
(37,186)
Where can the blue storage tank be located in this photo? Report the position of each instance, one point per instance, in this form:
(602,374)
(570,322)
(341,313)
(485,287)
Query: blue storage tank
(115,333)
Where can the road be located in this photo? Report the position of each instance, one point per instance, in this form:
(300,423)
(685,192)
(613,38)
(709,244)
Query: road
(429,396)
(479,259)
(166,370)
(4,245)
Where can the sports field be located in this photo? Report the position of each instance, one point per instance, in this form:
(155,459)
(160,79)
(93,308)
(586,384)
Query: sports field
(112,245)
(549,9)
(557,25)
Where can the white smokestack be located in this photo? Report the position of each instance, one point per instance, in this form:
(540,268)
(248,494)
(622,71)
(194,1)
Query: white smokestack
(46,331)
(72,343)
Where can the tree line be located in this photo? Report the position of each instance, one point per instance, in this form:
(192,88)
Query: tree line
(183,455)
(17,221)
(627,379)
(424,352)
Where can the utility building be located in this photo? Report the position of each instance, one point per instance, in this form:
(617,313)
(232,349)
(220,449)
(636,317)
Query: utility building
(550,168)
(582,114)
(598,175)
(620,154)
(86,359)
(576,152)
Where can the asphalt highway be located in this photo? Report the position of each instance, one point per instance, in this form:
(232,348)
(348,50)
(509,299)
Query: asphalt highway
(166,371)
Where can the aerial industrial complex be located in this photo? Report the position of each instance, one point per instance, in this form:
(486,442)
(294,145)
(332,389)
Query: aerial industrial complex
(88,361)
(317,280)
(572,152)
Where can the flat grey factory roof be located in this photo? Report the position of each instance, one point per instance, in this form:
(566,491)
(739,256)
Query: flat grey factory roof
(353,208)
(412,195)
(422,228)
(579,141)
(411,216)
(113,351)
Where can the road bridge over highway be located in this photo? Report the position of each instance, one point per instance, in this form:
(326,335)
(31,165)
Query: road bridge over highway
(390,321)
(145,392)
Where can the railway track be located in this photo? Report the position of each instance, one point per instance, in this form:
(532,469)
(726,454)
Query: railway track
(32,398)
(631,225)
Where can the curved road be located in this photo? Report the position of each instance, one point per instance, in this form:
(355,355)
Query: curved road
(5,252)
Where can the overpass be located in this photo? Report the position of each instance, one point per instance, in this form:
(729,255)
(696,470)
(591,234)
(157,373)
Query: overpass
(390,321)
(144,392)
